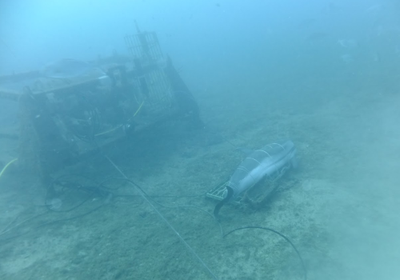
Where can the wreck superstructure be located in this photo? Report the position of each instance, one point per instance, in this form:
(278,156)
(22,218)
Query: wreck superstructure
(72,108)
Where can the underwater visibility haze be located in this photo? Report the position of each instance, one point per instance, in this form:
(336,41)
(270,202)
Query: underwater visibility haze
(125,126)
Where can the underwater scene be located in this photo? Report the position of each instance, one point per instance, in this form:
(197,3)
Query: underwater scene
(200,140)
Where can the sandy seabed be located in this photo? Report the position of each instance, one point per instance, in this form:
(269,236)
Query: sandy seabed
(340,207)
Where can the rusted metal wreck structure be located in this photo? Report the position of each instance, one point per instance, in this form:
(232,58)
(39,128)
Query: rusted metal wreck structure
(73,108)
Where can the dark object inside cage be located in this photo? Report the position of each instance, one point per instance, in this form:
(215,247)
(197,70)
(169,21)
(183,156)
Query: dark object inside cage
(72,108)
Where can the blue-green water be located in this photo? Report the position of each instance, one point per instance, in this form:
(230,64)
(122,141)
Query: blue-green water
(325,76)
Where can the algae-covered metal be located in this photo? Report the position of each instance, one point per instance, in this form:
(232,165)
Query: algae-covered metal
(269,162)
(70,108)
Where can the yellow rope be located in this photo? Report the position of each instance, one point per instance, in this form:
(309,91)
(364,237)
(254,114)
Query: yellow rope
(115,128)
(137,111)
(7,165)
(108,131)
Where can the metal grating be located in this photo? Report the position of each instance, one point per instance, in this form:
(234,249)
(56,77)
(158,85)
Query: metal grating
(144,46)
(218,193)
(153,87)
